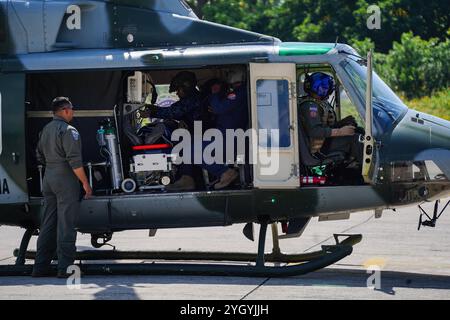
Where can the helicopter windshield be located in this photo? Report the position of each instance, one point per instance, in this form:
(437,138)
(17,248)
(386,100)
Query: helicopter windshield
(387,107)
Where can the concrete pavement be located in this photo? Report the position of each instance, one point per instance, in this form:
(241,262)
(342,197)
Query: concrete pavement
(414,264)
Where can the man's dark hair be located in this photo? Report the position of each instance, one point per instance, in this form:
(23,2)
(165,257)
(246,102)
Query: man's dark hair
(60,103)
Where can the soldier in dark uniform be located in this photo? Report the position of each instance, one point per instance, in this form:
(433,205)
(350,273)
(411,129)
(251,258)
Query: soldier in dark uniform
(190,108)
(318,118)
(187,110)
(59,149)
(230,110)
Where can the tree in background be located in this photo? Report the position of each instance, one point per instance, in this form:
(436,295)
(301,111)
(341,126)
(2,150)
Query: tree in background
(324,20)
(412,46)
(426,19)
(414,67)
(248,15)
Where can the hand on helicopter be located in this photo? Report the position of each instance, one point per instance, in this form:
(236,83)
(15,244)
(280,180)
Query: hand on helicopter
(87,190)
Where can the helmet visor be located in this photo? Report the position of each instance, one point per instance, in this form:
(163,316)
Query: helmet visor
(322,87)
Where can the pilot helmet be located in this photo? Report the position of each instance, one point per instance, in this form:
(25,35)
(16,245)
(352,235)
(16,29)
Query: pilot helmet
(185,80)
(320,84)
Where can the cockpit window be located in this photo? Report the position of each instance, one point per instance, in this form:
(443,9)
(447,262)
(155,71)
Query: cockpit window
(387,107)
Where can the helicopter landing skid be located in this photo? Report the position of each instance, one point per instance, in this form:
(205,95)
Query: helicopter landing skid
(297,264)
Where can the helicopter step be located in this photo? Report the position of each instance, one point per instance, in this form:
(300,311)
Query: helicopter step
(298,264)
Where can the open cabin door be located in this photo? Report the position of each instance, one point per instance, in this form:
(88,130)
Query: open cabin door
(274,117)
(13,184)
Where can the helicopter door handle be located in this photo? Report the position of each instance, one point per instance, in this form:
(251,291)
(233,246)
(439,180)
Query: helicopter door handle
(15,158)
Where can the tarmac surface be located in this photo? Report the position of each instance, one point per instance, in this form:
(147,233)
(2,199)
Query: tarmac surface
(414,264)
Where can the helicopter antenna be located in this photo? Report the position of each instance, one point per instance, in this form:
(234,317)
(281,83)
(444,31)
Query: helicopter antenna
(336,42)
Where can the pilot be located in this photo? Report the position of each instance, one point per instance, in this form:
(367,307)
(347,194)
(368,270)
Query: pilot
(59,149)
(319,120)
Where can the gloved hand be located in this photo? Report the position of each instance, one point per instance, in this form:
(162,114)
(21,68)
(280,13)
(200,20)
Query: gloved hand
(149,112)
(360,130)
(347,121)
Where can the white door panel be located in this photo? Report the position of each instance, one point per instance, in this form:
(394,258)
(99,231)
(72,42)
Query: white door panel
(274,116)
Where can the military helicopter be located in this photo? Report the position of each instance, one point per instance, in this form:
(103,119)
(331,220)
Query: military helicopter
(108,56)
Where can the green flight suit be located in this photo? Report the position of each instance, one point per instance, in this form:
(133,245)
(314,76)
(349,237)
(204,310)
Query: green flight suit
(59,149)
(319,125)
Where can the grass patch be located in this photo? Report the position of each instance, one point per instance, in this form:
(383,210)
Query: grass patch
(437,105)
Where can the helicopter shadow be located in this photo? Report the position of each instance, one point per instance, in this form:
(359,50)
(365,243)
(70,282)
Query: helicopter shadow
(357,278)
(124,287)
(334,277)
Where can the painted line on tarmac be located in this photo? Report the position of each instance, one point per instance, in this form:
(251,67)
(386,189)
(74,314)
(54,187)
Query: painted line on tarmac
(329,238)
(259,286)
(6,258)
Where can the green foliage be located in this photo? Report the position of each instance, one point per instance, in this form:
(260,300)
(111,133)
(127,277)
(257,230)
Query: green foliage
(426,19)
(248,15)
(419,67)
(324,20)
(413,65)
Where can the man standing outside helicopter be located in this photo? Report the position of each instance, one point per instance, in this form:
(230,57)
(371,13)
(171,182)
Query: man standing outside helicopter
(59,149)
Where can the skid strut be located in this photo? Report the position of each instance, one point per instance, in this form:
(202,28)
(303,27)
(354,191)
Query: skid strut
(431,222)
(298,263)
(22,251)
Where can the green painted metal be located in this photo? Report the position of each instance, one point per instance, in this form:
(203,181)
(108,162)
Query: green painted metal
(318,260)
(12,141)
(304,49)
(274,256)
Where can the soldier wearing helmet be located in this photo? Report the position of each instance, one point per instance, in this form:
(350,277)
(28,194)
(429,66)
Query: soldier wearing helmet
(318,118)
(230,110)
(188,109)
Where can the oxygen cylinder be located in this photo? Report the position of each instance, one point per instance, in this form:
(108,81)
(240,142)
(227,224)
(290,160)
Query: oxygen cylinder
(111,144)
(101,137)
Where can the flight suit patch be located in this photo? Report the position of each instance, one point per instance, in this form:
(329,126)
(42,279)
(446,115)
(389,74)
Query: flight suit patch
(231,96)
(75,135)
(313,111)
